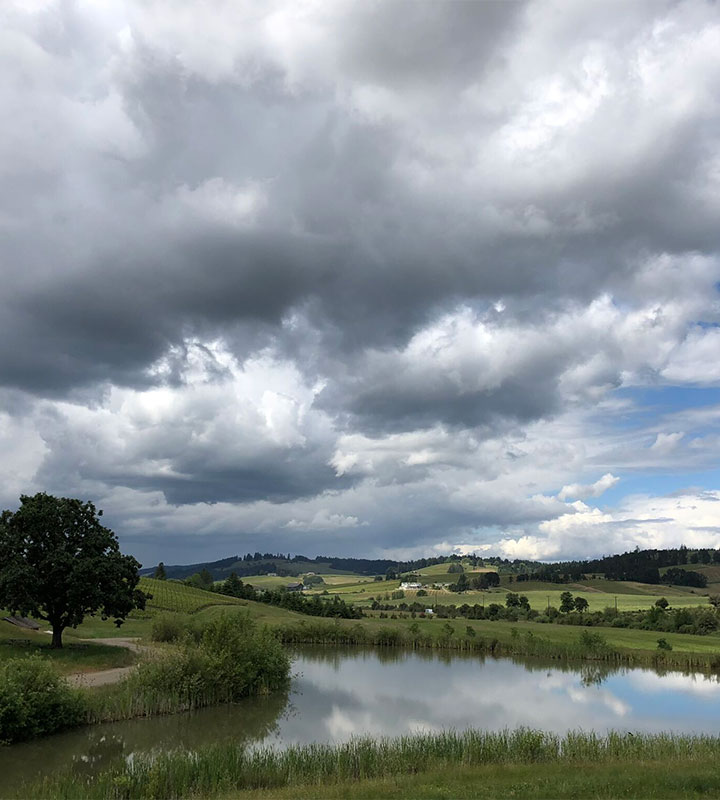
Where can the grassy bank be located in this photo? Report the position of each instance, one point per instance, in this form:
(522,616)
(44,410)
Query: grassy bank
(574,765)
(563,643)
(222,661)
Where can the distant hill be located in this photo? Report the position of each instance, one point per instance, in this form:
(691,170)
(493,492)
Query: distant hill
(263,563)
(644,566)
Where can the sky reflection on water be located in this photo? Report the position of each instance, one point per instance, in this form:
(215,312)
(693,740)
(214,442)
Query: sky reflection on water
(337,694)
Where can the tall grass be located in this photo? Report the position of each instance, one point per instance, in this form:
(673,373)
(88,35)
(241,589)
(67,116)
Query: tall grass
(222,768)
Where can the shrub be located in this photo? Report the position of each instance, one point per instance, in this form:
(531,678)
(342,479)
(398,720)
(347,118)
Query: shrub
(593,643)
(663,644)
(220,662)
(35,700)
(167,628)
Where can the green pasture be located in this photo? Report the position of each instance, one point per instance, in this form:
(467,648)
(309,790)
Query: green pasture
(627,596)
(599,600)
(337,581)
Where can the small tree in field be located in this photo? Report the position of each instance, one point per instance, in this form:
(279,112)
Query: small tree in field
(58,563)
(581,604)
(567,604)
(160,572)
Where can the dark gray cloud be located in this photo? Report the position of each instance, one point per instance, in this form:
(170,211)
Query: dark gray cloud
(233,241)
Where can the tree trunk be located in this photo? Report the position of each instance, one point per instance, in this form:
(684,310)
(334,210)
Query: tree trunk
(57,637)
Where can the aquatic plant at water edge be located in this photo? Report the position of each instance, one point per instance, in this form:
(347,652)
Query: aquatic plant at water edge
(219,769)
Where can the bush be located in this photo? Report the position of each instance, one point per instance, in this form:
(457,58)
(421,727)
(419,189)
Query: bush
(35,700)
(663,644)
(593,643)
(220,662)
(167,628)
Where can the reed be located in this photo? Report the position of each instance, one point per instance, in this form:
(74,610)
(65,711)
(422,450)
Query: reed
(216,770)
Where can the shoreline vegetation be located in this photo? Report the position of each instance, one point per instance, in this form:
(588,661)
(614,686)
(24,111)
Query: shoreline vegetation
(321,770)
(585,645)
(223,661)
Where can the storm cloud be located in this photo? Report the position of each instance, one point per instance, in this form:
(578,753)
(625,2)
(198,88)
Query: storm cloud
(362,277)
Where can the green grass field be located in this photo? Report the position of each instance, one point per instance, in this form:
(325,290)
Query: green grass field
(74,657)
(600,594)
(336,581)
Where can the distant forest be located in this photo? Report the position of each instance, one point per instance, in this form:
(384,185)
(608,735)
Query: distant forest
(640,565)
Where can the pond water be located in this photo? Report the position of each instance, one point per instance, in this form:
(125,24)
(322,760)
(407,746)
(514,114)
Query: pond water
(340,693)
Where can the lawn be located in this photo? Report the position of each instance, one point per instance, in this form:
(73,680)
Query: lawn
(74,656)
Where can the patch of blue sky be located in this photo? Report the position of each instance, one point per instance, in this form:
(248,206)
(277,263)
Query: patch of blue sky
(668,399)
(655,484)
(648,405)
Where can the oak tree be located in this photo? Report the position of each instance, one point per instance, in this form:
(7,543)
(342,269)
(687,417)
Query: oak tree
(59,564)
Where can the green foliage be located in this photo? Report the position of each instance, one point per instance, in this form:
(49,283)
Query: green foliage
(456,567)
(581,604)
(58,563)
(663,644)
(594,643)
(462,584)
(219,662)
(168,628)
(485,580)
(662,603)
(683,577)
(567,604)
(35,700)
(159,573)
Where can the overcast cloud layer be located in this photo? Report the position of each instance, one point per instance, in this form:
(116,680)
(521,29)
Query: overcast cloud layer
(366,278)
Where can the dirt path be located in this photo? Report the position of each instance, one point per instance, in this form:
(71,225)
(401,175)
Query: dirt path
(107,676)
(101,678)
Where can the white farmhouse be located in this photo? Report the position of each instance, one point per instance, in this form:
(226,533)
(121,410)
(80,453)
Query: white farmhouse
(410,585)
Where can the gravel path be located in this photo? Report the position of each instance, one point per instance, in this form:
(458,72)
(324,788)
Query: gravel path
(107,676)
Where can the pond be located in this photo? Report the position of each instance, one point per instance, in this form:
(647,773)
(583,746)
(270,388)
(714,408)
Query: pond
(340,693)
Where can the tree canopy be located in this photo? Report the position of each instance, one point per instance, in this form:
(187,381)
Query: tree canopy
(58,563)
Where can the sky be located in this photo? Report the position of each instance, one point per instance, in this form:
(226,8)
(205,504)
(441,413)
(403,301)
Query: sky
(387,279)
